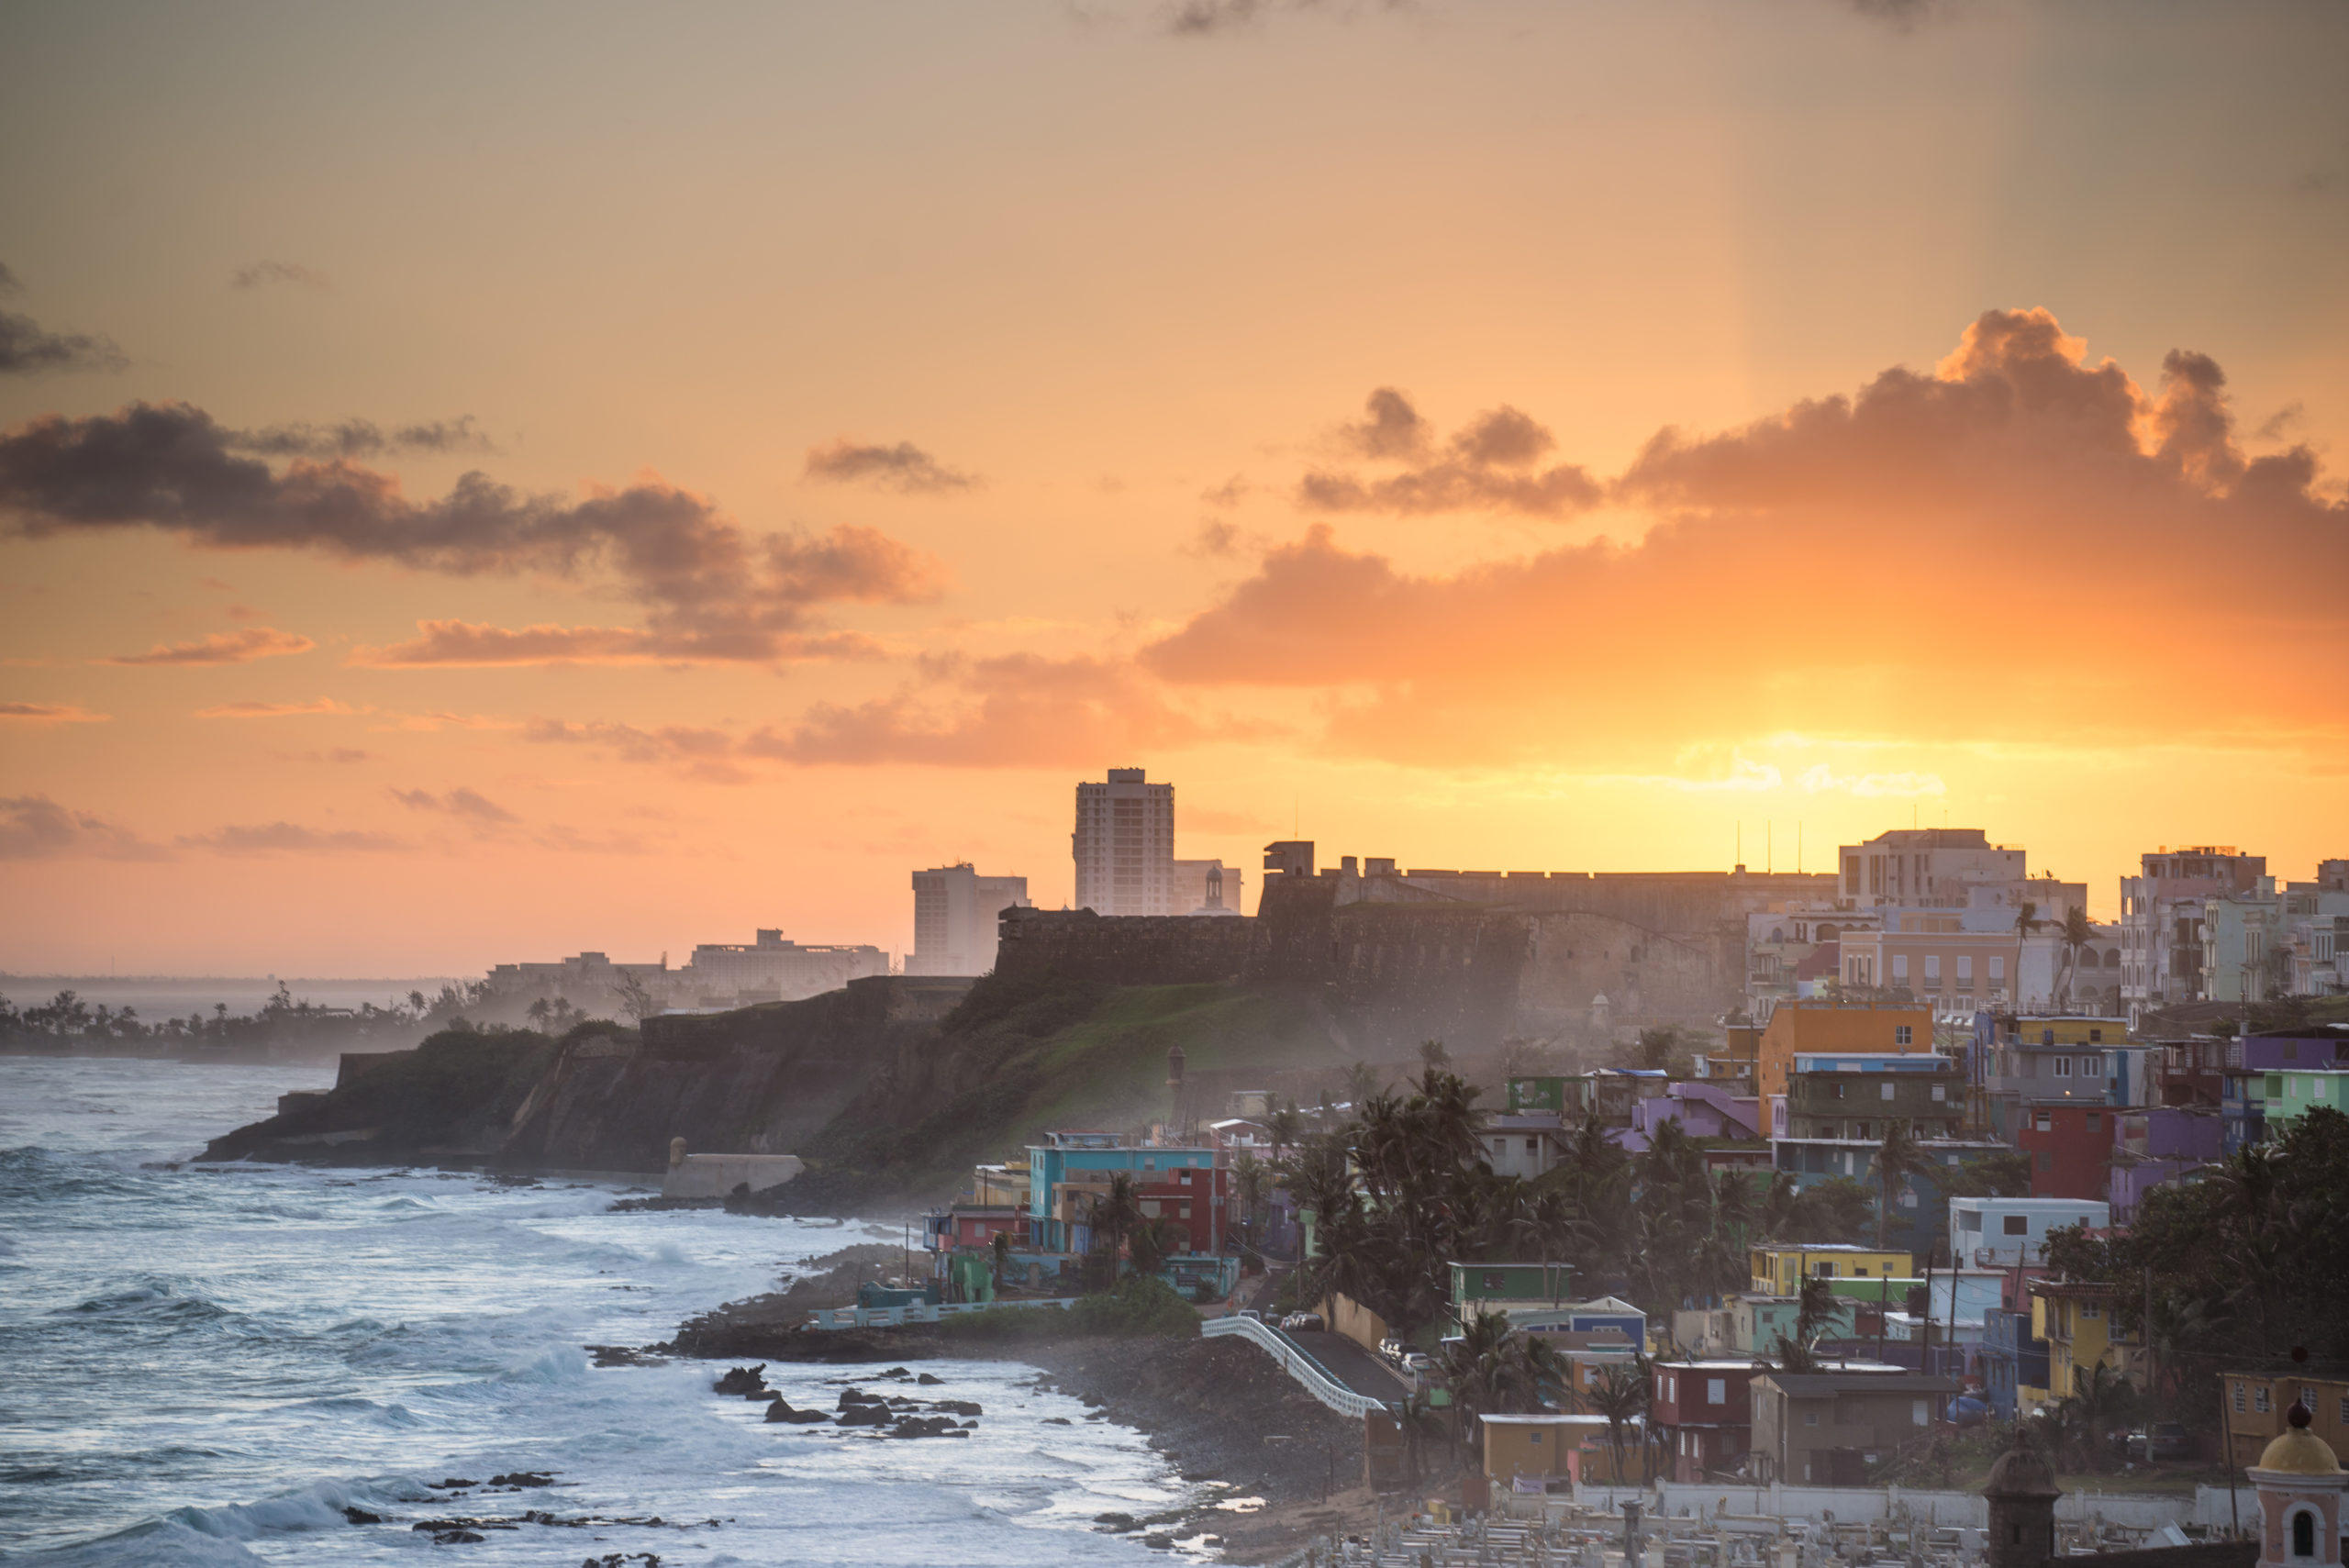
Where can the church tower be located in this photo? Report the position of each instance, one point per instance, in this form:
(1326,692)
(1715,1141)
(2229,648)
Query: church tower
(2300,1480)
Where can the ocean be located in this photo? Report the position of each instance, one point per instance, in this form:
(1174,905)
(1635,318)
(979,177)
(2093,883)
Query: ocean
(209,1365)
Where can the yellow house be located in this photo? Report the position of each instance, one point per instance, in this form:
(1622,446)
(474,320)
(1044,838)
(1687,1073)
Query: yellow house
(1827,1027)
(2076,1319)
(1779,1270)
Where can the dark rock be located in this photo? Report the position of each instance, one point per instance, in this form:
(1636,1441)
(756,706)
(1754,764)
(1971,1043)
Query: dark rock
(781,1410)
(958,1407)
(1159,1542)
(522,1478)
(932,1379)
(895,1372)
(864,1416)
(742,1380)
(458,1538)
(1058,1421)
(361,1517)
(457,1480)
(1118,1523)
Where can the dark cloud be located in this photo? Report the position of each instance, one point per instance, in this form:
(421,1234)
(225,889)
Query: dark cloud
(1391,427)
(2016,473)
(1488,466)
(33,826)
(704,754)
(47,712)
(27,349)
(710,590)
(289,838)
(261,274)
(364,438)
(902,467)
(460,803)
(8,283)
(221,648)
(457,644)
(251,709)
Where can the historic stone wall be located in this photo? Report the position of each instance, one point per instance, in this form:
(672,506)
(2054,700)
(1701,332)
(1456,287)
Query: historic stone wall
(1152,949)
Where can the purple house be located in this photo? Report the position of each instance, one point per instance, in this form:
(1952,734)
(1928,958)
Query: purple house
(2282,1051)
(2160,1144)
(1703,1110)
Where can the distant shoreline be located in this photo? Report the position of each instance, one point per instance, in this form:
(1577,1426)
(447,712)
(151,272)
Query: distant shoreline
(153,1051)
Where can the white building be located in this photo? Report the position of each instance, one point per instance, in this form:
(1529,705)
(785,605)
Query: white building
(733,975)
(1925,868)
(955,913)
(2161,919)
(1207,887)
(1124,847)
(1993,1232)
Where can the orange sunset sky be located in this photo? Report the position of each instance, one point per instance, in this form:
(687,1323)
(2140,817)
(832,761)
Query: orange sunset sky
(479,483)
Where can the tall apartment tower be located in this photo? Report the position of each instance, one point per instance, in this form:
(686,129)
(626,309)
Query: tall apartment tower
(955,915)
(1124,845)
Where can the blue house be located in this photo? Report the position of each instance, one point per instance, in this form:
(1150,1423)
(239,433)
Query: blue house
(1071,1169)
(2010,1358)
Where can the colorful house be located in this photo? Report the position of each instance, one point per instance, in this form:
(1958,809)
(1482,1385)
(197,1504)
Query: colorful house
(1779,1269)
(1799,1028)
(1069,1172)
(2075,1321)
(1704,1416)
(2070,1145)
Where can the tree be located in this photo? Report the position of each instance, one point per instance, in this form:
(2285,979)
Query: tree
(1284,1125)
(2027,918)
(1658,1047)
(1116,1213)
(536,1012)
(2075,933)
(1619,1394)
(2101,1399)
(1434,1053)
(1899,1159)
(1154,1240)
(1362,1083)
(1000,1244)
(1250,1181)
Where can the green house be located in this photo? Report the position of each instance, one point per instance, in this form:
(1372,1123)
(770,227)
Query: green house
(1512,1284)
(2293,1094)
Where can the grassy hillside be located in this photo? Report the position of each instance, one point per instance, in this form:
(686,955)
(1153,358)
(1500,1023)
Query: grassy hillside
(1065,1056)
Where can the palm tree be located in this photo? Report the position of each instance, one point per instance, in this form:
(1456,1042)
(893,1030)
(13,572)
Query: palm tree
(1249,1184)
(1779,1201)
(1434,1053)
(2101,1399)
(1115,1214)
(2076,933)
(1897,1160)
(1001,1246)
(2027,918)
(1362,1082)
(1284,1125)
(1622,1396)
(536,1012)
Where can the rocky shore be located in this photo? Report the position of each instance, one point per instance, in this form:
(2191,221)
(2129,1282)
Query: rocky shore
(1217,1408)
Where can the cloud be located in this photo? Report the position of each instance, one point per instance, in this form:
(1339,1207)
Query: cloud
(1017,711)
(1821,778)
(33,826)
(49,713)
(1488,466)
(273,709)
(1819,571)
(289,838)
(459,803)
(27,348)
(221,648)
(364,438)
(261,274)
(902,467)
(705,755)
(9,282)
(456,643)
(710,591)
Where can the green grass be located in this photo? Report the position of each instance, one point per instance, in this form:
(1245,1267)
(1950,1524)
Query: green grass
(1067,1056)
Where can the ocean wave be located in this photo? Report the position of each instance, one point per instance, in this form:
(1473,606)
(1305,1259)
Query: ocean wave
(160,1543)
(152,1300)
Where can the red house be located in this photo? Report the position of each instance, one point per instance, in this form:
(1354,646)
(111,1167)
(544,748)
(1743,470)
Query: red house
(2069,1145)
(1703,1412)
(1196,1197)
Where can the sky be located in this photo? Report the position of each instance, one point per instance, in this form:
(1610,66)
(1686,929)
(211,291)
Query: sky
(486,483)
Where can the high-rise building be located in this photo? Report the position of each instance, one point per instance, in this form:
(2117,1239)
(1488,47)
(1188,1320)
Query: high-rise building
(1124,845)
(956,912)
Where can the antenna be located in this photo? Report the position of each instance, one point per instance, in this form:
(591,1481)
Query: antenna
(1768,837)
(1741,844)
(1798,848)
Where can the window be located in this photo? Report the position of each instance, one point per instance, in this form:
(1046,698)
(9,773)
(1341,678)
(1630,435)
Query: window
(2239,1400)
(1886,1086)
(2259,1400)
(1941,1091)
(1998,968)
(1901,969)
(1965,969)
(2063,1067)
(1532,1146)
(2096,1037)
(1902,1034)
(2304,1534)
(1919,1415)
(2092,1066)
(1715,1391)
(1809,1418)
(2043,1122)
(1932,968)
(1824,1271)
(2091,1310)
(1839,1091)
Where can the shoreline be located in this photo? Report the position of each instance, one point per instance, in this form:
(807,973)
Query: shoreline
(1216,1410)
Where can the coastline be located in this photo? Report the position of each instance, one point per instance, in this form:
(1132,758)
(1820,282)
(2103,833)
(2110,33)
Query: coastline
(1216,1409)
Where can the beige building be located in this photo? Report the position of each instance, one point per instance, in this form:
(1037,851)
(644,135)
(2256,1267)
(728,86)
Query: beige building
(1124,847)
(1830,1428)
(955,911)
(1207,887)
(1925,867)
(1930,954)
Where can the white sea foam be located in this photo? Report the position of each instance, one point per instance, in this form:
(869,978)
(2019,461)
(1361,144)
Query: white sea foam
(211,1365)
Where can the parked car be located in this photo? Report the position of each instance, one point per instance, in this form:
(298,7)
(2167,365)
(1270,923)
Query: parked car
(1304,1323)
(1250,1312)
(1420,1362)
(2164,1441)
